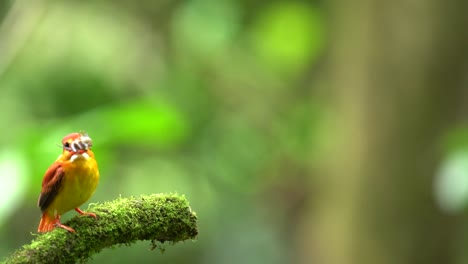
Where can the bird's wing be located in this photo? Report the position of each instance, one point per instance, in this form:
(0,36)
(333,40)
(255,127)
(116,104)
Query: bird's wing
(50,185)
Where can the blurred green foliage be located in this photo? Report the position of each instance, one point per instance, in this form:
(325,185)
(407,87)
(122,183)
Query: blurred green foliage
(288,35)
(221,101)
(210,99)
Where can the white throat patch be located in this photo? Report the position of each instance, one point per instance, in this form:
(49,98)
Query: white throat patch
(75,156)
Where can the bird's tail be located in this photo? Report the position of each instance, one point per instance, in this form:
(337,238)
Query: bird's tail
(47,223)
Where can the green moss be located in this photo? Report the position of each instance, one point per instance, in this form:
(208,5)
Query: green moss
(157,218)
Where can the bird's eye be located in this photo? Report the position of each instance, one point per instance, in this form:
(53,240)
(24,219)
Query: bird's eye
(66,145)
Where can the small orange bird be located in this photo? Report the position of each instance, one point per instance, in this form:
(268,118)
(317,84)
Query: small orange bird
(69,182)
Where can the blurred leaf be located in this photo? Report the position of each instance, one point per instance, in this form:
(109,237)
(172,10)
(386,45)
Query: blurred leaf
(140,122)
(451,183)
(288,35)
(144,123)
(14,180)
(457,139)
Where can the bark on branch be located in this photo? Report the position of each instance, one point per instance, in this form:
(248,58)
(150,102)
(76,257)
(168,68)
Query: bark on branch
(158,217)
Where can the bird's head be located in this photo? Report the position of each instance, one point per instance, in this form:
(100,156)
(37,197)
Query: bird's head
(77,144)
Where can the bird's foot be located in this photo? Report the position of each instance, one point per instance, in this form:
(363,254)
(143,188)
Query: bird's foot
(85,213)
(60,225)
(69,229)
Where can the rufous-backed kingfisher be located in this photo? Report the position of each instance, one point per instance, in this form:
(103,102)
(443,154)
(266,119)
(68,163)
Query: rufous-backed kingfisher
(69,182)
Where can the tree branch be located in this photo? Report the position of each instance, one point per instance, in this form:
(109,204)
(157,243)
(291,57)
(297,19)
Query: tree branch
(157,217)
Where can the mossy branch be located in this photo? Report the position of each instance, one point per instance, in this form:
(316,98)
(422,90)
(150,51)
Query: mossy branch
(158,217)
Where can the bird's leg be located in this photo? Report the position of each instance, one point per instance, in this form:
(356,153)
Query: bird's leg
(84,213)
(59,224)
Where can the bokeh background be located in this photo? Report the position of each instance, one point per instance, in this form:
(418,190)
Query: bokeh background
(300,131)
